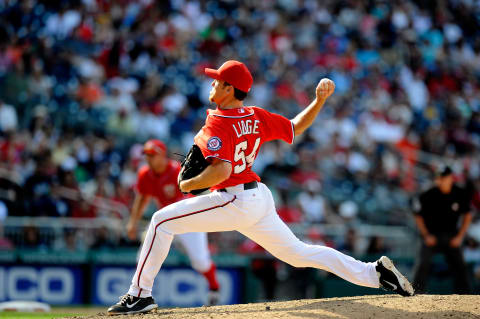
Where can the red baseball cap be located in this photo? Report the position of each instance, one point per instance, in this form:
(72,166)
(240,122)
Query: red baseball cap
(152,147)
(233,72)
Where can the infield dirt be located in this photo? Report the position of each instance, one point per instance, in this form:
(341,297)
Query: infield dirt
(375,307)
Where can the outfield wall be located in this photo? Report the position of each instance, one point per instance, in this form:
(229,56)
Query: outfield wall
(99,278)
(65,285)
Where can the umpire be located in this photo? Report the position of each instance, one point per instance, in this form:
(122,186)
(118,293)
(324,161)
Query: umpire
(437,215)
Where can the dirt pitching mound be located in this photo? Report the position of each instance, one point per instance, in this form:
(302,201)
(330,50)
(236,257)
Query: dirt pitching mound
(375,307)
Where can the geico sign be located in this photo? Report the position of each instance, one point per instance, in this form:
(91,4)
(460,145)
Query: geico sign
(179,287)
(49,284)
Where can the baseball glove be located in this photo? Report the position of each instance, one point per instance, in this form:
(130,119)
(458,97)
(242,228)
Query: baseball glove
(193,164)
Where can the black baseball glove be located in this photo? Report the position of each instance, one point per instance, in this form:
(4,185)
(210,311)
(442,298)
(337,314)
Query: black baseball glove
(193,164)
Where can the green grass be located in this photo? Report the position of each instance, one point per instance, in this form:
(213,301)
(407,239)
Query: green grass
(56,312)
(35,315)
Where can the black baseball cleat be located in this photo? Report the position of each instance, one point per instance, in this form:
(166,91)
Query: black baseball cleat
(391,279)
(129,304)
(213,297)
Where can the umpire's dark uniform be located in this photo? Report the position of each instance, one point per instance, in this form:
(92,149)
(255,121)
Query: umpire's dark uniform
(437,215)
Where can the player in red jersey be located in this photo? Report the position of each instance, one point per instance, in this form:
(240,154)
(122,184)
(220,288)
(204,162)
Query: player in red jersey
(230,140)
(158,179)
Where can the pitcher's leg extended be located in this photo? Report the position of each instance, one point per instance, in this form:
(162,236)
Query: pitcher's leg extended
(271,233)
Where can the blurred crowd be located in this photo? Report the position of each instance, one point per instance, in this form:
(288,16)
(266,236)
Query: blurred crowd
(84,83)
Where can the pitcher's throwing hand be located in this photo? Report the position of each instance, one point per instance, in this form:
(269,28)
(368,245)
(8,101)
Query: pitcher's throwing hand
(325,88)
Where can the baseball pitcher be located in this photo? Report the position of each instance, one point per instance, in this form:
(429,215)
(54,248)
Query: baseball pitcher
(229,141)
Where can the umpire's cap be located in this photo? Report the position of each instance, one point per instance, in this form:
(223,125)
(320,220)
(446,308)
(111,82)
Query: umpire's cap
(443,170)
(234,73)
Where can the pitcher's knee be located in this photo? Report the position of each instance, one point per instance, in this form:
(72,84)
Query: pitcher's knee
(158,221)
(158,216)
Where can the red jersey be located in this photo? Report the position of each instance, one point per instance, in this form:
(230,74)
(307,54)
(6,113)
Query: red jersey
(161,186)
(236,135)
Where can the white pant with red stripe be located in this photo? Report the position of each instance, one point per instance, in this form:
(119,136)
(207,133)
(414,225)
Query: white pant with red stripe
(252,213)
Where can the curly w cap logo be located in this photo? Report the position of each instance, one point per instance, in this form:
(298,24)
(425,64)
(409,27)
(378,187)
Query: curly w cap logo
(214,143)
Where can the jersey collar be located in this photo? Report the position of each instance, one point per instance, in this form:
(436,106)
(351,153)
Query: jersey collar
(232,113)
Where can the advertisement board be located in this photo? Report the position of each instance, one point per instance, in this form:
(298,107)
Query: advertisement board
(175,286)
(66,285)
(50,284)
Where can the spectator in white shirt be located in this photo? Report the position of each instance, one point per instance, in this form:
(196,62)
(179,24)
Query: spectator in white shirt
(8,117)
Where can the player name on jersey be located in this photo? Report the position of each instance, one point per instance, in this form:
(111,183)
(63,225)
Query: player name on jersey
(246,127)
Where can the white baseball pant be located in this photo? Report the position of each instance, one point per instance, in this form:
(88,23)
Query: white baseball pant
(196,247)
(252,213)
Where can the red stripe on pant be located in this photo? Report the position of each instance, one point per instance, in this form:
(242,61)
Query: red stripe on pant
(173,218)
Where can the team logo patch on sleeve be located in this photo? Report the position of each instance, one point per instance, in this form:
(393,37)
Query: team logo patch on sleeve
(214,143)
